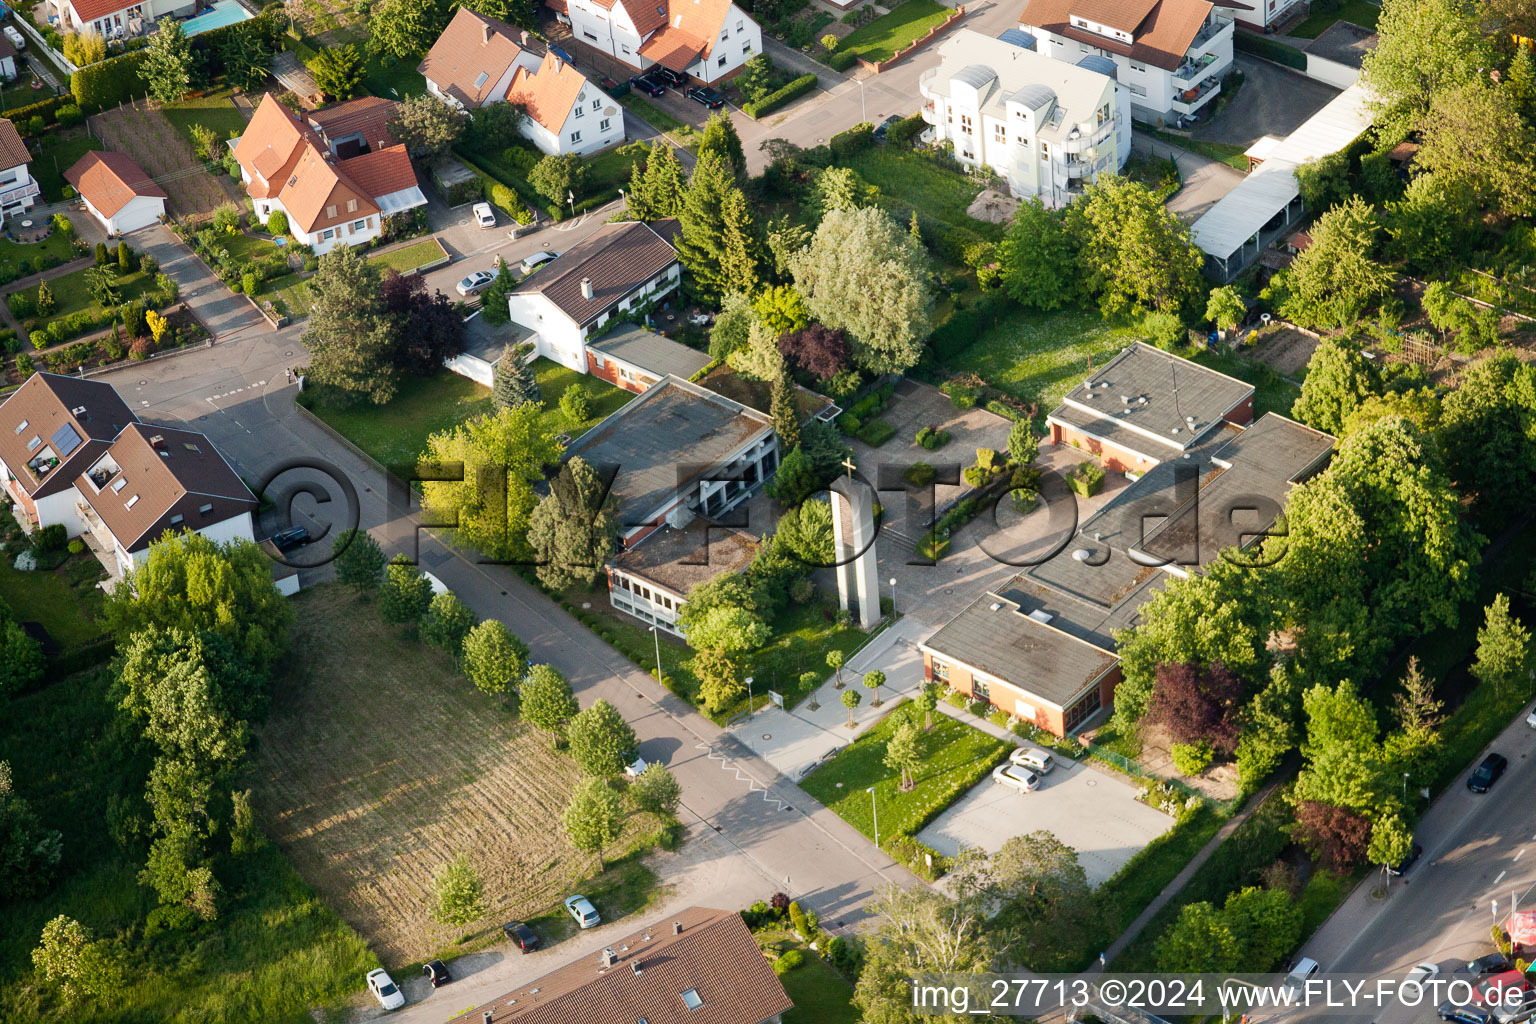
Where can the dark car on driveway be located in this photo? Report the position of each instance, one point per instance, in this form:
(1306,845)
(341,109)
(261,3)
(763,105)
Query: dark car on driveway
(287,540)
(648,85)
(885,126)
(562,54)
(1486,774)
(523,937)
(707,96)
(676,79)
(437,971)
(1464,1014)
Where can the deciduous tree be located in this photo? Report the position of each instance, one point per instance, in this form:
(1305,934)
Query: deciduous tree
(1474,135)
(1198,704)
(1201,940)
(406,594)
(1503,646)
(405,29)
(601,742)
(458,892)
(1134,254)
(863,274)
(1424,47)
(1337,836)
(1339,378)
(557,177)
(494,659)
(1039,257)
(1338,277)
(1225,307)
(851,700)
(447,622)
(901,754)
(657,790)
(425,125)
(1488,434)
(818,350)
(167,64)
(593,817)
(547,700)
(29,853)
(873,680)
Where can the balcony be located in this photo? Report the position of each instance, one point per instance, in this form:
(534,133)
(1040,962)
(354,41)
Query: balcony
(925,82)
(930,112)
(1083,142)
(1191,100)
(1187,74)
(1210,30)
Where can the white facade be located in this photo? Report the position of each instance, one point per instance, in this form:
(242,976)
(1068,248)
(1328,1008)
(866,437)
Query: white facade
(140,212)
(595,122)
(1157,95)
(561,338)
(127,20)
(645,600)
(735,41)
(358,232)
(1266,13)
(1049,128)
(498,91)
(18,190)
(237,528)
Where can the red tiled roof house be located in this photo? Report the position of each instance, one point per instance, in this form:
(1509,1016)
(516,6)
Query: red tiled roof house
(117,191)
(73,453)
(287,165)
(18,191)
(708,40)
(476,62)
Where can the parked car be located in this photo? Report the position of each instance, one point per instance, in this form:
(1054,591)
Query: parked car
(583,911)
(1530,719)
(523,937)
(635,767)
(1016,777)
(1035,760)
(707,96)
(537,260)
(14,35)
(1421,973)
(1486,774)
(885,126)
(648,85)
(1449,1010)
(437,971)
(1296,980)
(287,540)
(475,283)
(1414,853)
(385,990)
(1493,963)
(484,215)
(562,54)
(676,79)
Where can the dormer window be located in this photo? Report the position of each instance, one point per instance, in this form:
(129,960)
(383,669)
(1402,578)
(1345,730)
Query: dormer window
(205,510)
(177,519)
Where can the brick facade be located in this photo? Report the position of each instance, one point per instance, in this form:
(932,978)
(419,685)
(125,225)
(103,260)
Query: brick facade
(630,379)
(1020,703)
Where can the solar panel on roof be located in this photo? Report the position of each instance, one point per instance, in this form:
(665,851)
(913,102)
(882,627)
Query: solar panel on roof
(65,440)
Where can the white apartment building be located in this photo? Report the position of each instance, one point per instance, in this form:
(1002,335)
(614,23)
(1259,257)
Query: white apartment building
(708,40)
(1171,54)
(1049,128)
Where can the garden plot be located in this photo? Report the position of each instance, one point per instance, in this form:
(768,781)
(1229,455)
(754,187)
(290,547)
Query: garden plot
(163,151)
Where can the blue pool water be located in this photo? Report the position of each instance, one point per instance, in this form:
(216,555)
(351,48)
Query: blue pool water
(225,12)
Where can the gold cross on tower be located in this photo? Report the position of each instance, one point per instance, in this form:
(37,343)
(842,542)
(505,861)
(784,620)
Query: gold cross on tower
(849,465)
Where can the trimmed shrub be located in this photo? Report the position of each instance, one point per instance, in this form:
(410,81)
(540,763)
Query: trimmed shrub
(842,60)
(1025,500)
(788,961)
(24,367)
(108,83)
(1006,411)
(1190,758)
(76,546)
(963,396)
(1086,478)
(277,222)
(142,349)
(932,438)
(876,432)
(848,423)
(855,140)
(919,474)
(40,339)
(249,283)
(776,99)
(23,303)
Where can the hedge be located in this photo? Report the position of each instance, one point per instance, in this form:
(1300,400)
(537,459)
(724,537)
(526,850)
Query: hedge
(964,326)
(842,61)
(875,432)
(1280,53)
(108,83)
(855,140)
(509,200)
(904,131)
(268,25)
(46,109)
(776,99)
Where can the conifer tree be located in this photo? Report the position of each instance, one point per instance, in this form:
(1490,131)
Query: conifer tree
(657,186)
(720,138)
(514,381)
(718,244)
(786,418)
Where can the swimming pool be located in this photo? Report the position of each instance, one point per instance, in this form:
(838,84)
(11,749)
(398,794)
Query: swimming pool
(225,12)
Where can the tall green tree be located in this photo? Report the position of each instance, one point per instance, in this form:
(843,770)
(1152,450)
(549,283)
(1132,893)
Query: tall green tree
(405,29)
(1039,257)
(1201,940)
(558,177)
(920,930)
(601,742)
(426,126)
(513,381)
(1476,136)
(1488,434)
(1134,254)
(863,274)
(786,415)
(338,71)
(720,139)
(657,185)
(1345,762)
(1339,276)
(1434,224)
(548,701)
(406,594)
(718,243)
(1339,379)
(1225,307)
(246,58)
(574,529)
(656,790)
(359,560)
(1424,47)
(350,339)
(458,893)
(901,754)
(593,818)
(494,659)
(447,622)
(1503,646)
(167,64)
(29,853)
(502,455)
(188,582)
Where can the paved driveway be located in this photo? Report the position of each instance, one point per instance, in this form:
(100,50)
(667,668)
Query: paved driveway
(1095,813)
(224,312)
(1273,101)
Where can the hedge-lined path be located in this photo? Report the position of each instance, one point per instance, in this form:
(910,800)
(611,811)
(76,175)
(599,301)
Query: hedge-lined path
(164,152)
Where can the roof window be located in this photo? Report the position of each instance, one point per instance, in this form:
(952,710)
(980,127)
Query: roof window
(691,999)
(481,79)
(120,483)
(36,440)
(132,501)
(192,448)
(21,426)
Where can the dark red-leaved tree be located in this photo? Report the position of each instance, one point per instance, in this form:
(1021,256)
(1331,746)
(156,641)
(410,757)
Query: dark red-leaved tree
(428,329)
(1198,703)
(1337,836)
(818,350)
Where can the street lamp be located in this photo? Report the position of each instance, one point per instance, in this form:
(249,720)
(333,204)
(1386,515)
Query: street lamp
(656,634)
(863,111)
(1405,787)
(570,197)
(874,809)
(893,597)
(750,708)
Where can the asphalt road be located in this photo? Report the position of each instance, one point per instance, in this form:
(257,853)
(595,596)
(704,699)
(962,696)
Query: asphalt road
(758,832)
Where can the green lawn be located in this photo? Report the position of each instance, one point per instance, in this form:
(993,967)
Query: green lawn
(609,170)
(820,994)
(276,953)
(71,293)
(1360,12)
(1222,152)
(55,244)
(955,756)
(605,399)
(909,181)
(1038,357)
(395,433)
(292,291)
(409,257)
(54,158)
(65,601)
(214,111)
(1272,392)
(883,37)
(680,133)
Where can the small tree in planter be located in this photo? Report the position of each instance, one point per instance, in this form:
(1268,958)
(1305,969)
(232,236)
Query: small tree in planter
(835,661)
(874,680)
(851,700)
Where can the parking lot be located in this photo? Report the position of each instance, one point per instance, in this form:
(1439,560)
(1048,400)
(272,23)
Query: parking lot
(1094,812)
